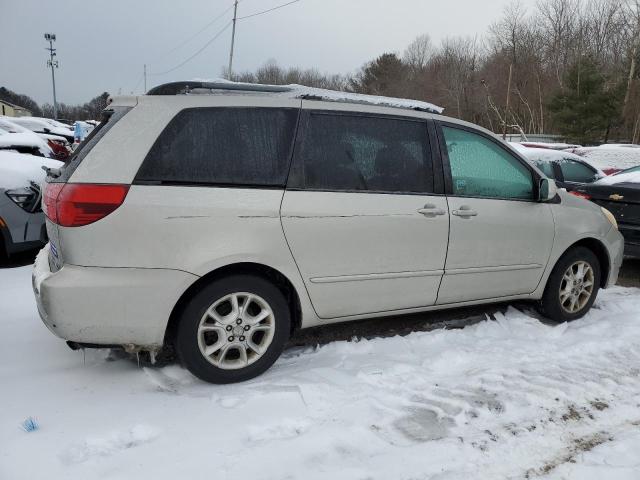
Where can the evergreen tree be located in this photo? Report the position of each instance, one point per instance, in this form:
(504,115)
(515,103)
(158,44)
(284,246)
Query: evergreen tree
(585,110)
(386,75)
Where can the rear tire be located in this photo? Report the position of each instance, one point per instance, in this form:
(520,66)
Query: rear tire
(572,286)
(233,329)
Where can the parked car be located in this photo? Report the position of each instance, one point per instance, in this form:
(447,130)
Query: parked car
(22,223)
(549,145)
(43,125)
(610,158)
(23,143)
(567,169)
(239,213)
(620,193)
(52,146)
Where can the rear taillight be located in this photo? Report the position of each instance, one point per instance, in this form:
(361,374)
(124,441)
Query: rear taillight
(78,204)
(586,196)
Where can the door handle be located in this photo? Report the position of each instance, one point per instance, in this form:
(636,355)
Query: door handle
(430,210)
(464,211)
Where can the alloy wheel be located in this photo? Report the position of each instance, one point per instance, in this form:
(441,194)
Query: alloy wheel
(576,286)
(236,330)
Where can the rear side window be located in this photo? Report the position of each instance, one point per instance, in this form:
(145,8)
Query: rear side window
(353,152)
(573,171)
(223,146)
(107,121)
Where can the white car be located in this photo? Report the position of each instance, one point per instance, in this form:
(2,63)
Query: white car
(239,213)
(45,125)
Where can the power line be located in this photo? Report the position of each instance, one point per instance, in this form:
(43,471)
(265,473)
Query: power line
(183,43)
(268,10)
(220,32)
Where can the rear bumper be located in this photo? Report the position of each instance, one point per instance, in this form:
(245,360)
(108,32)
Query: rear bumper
(107,306)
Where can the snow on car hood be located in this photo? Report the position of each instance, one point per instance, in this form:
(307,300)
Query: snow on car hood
(19,169)
(632,176)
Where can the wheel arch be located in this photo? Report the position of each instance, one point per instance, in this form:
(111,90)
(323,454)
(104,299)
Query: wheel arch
(280,280)
(600,251)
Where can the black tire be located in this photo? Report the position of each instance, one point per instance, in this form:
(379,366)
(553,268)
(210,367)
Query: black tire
(186,342)
(550,305)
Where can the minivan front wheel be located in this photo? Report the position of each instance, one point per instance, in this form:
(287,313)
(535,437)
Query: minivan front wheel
(572,286)
(233,329)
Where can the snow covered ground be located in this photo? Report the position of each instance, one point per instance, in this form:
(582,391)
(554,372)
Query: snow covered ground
(509,397)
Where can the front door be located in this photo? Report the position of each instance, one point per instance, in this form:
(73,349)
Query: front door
(500,237)
(360,215)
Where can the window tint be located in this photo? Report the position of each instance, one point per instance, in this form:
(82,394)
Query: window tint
(227,146)
(350,152)
(576,172)
(481,168)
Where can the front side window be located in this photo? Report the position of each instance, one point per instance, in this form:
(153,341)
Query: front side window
(353,153)
(546,168)
(481,168)
(223,146)
(576,172)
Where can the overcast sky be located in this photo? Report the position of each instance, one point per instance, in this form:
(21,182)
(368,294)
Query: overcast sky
(102,45)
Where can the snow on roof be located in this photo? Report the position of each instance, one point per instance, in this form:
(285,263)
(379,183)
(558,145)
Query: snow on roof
(607,156)
(551,146)
(19,169)
(38,123)
(301,91)
(26,139)
(629,176)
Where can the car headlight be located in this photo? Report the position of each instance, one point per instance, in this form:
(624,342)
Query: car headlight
(27,198)
(610,217)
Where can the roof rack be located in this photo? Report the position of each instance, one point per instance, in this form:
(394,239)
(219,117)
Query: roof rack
(292,91)
(177,88)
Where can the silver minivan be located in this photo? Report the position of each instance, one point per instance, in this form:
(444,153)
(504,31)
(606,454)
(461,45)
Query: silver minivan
(215,219)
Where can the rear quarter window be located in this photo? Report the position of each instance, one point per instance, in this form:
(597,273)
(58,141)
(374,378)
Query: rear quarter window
(223,146)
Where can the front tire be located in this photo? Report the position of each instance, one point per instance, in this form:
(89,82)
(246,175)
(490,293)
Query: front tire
(233,329)
(572,286)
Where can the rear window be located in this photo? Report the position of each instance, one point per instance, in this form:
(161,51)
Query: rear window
(223,146)
(109,119)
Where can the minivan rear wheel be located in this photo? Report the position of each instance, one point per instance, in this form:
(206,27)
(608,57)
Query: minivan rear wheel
(233,329)
(572,286)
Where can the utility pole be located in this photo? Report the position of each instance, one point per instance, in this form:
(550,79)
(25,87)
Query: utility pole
(51,37)
(233,38)
(506,111)
(145,78)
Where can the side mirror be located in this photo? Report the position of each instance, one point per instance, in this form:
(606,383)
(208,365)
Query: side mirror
(547,190)
(46,130)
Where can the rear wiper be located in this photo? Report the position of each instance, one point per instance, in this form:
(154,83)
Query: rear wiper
(52,172)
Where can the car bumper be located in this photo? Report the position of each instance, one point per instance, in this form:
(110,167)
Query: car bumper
(107,306)
(615,246)
(631,234)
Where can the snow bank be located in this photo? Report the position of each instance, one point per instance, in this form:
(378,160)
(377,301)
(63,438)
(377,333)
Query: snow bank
(19,169)
(509,397)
